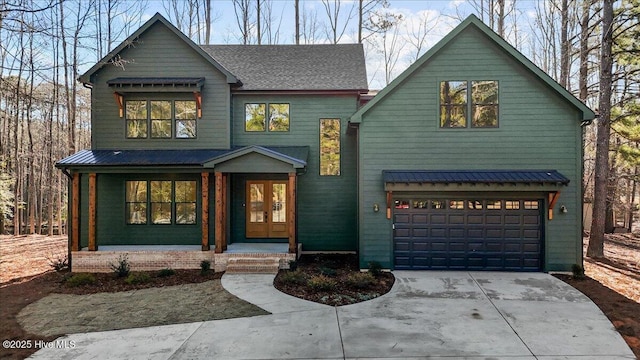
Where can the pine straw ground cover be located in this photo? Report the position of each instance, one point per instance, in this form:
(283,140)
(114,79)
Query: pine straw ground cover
(333,280)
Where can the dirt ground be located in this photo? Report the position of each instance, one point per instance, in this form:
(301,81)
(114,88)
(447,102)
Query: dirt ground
(28,255)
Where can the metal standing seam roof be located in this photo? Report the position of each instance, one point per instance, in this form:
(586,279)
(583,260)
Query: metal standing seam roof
(474,177)
(294,67)
(196,158)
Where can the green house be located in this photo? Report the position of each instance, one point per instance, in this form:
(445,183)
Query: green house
(253,154)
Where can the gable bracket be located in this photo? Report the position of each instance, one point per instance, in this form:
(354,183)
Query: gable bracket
(553,198)
(120,102)
(198,96)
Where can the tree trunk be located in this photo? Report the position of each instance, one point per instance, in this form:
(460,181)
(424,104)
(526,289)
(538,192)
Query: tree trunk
(297,10)
(596,238)
(564,44)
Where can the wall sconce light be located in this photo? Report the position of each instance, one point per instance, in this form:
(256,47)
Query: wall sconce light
(376,207)
(563,209)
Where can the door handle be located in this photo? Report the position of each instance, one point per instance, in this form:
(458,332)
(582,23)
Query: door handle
(266,215)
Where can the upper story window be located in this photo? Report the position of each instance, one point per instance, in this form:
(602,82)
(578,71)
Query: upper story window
(466,104)
(330,147)
(256,116)
(164,117)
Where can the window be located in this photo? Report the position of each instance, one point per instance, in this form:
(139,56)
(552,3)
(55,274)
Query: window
(136,119)
(136,202)
(161,195)
(531,205)
(456,204)
(330,147)
(512,205)
(469,103)
(494,204)
(475,204)
(255,117)
(185,119)
(169,202)
(278,117)
(161,119)
(185,202)
(401,204)
(161,115)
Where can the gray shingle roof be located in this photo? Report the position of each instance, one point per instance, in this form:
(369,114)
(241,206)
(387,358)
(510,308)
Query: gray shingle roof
(475,176)
(294,67)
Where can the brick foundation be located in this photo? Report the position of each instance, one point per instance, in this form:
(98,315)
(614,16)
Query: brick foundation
(100,261)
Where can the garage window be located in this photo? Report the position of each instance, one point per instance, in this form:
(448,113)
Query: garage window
(512,205)
(531,205)
(456,204)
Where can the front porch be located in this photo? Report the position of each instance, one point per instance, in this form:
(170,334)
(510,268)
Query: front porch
(241,257)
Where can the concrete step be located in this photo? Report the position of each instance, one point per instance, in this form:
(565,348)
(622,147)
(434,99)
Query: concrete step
(249,265)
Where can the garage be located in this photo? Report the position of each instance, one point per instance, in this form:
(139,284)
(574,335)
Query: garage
(458,233)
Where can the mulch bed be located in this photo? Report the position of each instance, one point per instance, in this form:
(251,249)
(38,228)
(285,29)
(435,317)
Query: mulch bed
(623,312)
(337,268)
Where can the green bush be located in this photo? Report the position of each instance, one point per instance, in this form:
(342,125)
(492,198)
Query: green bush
(375,268)
(293,277)
(137,278)
(121,268)
(205,266)
(578,271)
(166,272)
(327,271)
(360,280)
(321,283)
(81,279)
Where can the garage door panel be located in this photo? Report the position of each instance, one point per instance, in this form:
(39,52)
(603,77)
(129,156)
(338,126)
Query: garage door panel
(492,235)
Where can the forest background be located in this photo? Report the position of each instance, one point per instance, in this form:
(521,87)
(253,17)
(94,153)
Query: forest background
(591,47)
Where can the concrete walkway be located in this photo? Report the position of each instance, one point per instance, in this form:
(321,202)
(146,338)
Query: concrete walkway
(447,315)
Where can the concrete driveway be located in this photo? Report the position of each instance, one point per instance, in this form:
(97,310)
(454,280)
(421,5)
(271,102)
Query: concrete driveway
(452,315)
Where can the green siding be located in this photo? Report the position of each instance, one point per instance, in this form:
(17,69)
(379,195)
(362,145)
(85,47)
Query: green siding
(160,53)
(537,130)
(326,207)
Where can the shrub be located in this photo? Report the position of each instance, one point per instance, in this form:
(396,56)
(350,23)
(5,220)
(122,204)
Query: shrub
(293,265)
(121,268)
(59,263)
(321,283)
(205,266)
(327,271)
(166,272)
(578,271)
(375,268)
(81,279)
(293,277)
(137,278)
(360,280)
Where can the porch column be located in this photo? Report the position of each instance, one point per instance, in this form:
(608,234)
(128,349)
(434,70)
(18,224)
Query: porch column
(75,212)
(205,211)
(224,211)
(92,212)
(291,216)
(219,214)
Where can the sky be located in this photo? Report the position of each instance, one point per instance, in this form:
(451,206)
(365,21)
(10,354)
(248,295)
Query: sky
(441,17)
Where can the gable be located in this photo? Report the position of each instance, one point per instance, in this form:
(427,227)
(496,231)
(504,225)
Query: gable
(465,55)
(163,45)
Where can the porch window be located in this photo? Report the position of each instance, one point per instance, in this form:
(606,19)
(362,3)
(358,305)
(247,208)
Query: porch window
(136,202)
(168,202)
(161,195)
(466,104)
(330,147)
(185,202)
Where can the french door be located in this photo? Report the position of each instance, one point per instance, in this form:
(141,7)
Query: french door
(266,209)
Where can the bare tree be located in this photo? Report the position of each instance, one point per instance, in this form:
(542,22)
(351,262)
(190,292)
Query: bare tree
(244,19)
(297,15)
(337,25)
(310,26)
(596,238)
(417,33)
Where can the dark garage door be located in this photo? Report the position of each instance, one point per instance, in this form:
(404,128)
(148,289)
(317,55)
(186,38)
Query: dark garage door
(468,234)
